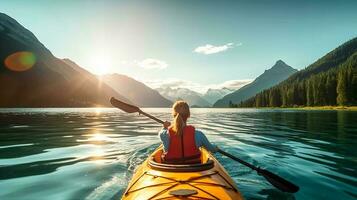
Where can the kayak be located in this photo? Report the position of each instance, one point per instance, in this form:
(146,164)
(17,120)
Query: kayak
(157,180)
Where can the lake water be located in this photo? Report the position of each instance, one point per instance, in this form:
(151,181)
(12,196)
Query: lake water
(92,153)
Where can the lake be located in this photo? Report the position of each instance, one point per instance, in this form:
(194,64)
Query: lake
(91,153)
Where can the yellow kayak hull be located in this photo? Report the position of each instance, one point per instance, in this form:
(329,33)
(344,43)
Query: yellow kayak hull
(155,180)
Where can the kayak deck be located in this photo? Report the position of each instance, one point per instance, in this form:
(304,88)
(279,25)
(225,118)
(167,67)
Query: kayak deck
(156,180)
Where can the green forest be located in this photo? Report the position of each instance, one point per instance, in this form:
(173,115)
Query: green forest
(330,81)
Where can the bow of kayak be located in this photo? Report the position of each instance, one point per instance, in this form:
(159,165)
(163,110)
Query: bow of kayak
(156,180)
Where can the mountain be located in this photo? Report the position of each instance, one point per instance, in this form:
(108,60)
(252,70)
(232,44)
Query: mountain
(331,80)
(212,95)
(30,76)
(136,91)
(194,99)
(279,72)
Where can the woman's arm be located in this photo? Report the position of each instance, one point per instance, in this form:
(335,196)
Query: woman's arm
(164,136)
(202,141)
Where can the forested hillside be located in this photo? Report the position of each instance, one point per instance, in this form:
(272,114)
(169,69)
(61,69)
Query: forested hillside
(332,80)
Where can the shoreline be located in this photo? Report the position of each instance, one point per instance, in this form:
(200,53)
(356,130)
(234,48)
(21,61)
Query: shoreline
(345,108)
(348,108)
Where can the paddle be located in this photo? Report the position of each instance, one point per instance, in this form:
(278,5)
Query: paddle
(131,109)
(273,179)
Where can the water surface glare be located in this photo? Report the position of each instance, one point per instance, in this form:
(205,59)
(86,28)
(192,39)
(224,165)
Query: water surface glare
(90,153)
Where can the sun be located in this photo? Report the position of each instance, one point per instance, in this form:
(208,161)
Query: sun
(101,64)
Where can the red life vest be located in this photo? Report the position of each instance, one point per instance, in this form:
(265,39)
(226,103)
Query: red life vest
(182,148)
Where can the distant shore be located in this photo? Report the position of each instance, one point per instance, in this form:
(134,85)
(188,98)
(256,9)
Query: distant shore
(348,108)
(352,108)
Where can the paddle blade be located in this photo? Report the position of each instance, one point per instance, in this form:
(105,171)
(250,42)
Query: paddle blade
(124,106)
(278,181)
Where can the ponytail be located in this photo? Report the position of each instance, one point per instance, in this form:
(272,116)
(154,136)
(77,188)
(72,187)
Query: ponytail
(178,124)
(181,111)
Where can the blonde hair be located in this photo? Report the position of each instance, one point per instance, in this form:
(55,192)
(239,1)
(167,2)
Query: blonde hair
(180,112)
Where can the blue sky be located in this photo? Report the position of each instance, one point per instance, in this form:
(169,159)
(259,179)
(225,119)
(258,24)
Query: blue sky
(197,44)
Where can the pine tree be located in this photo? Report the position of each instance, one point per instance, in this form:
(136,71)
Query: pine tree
(331,94)
(309,94)
(341,88)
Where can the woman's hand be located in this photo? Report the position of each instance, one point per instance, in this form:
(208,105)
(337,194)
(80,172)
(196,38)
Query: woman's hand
(166,124)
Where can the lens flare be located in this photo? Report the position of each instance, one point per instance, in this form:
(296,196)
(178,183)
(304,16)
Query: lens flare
(20,61)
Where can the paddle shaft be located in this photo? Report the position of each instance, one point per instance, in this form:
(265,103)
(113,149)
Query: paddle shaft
(237,159)
(275,180)
(151,117)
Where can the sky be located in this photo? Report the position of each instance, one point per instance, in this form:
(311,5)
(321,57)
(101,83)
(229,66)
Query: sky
(191,43)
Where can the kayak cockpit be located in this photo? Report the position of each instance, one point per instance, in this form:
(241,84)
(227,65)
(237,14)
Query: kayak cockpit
(157,180)
(155,162)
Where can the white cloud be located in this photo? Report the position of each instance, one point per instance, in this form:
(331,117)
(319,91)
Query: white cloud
(151,63)
(200,88)
(211,49)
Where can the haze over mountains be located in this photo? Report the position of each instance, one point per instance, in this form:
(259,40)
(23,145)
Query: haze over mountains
(279,72)
(193,98)
(212,95)
(136,91)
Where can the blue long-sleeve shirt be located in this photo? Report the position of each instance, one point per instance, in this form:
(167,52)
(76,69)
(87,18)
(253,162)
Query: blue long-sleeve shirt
(200,140)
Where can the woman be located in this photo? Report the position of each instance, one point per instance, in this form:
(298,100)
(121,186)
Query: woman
(181,141)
